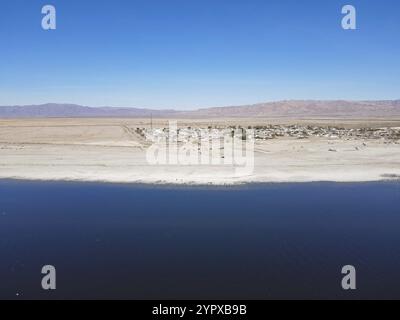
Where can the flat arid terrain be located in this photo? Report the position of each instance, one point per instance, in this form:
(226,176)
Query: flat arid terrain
(114,150)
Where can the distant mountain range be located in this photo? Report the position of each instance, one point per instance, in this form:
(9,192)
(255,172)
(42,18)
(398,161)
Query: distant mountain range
(57,110)
(292,108)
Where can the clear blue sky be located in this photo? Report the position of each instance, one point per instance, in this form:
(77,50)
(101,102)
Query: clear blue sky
(197,53)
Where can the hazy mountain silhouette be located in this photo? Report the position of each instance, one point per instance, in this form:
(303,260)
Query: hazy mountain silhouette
(292,108)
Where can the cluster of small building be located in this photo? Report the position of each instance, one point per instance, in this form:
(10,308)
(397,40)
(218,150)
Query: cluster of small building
(272,132)
(304,132)
(192,134)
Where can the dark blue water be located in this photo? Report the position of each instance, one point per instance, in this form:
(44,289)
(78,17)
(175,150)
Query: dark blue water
(255,242)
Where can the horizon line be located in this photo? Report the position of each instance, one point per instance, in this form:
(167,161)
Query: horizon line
(197,108)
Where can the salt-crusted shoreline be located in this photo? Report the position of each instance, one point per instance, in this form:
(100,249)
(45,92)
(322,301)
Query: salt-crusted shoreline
(286,161)
(111,153)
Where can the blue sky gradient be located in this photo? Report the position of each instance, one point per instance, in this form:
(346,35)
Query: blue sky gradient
(197,53)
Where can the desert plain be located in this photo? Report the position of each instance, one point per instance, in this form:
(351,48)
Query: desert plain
(113,150)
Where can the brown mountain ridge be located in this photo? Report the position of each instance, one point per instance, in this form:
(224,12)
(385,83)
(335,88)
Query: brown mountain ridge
(289,108)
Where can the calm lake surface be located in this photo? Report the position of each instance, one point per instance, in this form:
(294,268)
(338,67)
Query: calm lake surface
(253,242)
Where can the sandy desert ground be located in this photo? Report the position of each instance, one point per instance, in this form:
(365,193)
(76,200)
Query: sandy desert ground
(111,150)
